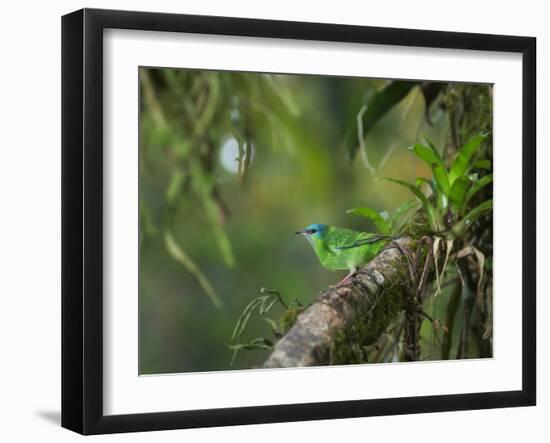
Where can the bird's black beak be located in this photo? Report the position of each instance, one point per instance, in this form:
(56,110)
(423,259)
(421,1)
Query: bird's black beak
(300,232)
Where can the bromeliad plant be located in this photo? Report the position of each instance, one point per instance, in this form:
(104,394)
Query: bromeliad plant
(447,208)
(452,188)
(387,224)
(444,211)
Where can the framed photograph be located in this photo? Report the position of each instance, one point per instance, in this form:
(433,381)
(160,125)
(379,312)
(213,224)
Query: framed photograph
(269,221)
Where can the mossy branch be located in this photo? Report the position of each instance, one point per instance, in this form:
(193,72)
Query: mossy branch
(374,297)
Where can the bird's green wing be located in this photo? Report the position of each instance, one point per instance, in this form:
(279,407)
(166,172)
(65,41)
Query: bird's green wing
(339,238)
(367,239)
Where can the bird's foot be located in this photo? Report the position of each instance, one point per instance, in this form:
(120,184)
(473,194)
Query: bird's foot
(345,280)
(340,284)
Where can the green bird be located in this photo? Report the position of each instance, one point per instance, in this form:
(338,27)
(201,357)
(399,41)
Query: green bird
(343,249)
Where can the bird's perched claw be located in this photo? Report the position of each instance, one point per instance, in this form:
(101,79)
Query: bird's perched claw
(343,291)
(346,279)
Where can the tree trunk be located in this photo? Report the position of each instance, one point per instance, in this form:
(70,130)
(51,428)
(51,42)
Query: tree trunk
(373,298)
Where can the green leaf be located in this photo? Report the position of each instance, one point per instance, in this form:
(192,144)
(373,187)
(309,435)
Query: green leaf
(266,307)
(429,182)
(173,190)
(462,161)
(400,211)
(426,153)
(274,326)
(382,224)
(253,345)
(203,185)
(202,122)
(281,92)
(458,192)
(482,164)
(213,213)
(243,319)
(179,255)
(403,208)
(434,161)
(440,197)
(430,144)
(460,228)
(380,103)
(482,182)
(441,178)
(262,341)
(276,295)
(440,173)
(430,211)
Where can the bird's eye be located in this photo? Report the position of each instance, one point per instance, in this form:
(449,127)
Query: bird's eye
(313,231)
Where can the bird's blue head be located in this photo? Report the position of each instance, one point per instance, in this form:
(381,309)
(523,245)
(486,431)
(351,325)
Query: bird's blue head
(315,230)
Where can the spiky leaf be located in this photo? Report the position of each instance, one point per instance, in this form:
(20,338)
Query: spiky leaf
(471,217)
(380,103)
(243,319)
(462,161)
(457,196)
(434,161)
(178,254)
(400,211)
(382,224)
(482,182)
(482,164)
(430,211)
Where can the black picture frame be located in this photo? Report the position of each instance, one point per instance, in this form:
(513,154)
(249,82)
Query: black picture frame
(82,220)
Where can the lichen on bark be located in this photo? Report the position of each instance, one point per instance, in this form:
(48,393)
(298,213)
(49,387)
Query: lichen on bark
(350,344)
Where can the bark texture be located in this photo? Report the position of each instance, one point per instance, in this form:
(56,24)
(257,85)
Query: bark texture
(373,290)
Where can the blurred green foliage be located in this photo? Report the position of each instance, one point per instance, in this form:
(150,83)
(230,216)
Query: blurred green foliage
(231,164)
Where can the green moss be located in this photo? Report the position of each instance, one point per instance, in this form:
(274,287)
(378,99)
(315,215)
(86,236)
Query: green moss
(416,229)
(289,317)
(470,110)
(350,344)
(417,226)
